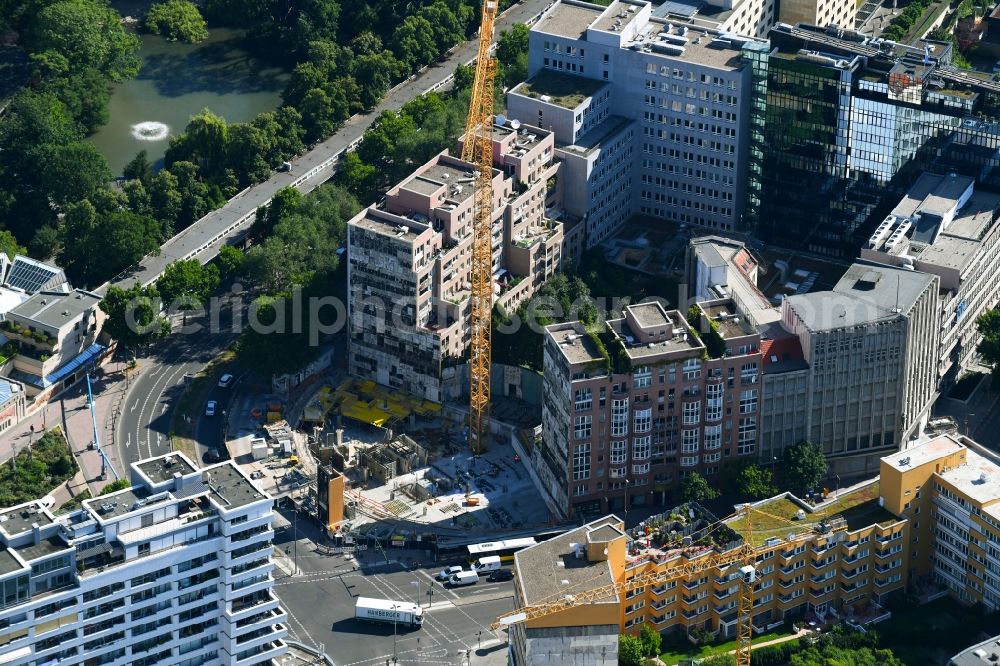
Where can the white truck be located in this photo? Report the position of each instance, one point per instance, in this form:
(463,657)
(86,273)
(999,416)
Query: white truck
(388,611)
(488,563)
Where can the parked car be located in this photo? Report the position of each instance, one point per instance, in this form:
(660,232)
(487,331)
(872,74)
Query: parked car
(210,408)
(448,572)
(463,578)
(500,575)
(225,380)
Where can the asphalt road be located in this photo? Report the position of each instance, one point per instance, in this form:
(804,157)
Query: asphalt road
(320,600)
(144,425)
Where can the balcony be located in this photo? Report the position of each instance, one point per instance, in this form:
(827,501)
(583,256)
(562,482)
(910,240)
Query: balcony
(852,559)
(690,615)
(786,598)
(819,564)
(818,594)
(722,594)
(850,574)
(658,605)
(821,579)
(850,587)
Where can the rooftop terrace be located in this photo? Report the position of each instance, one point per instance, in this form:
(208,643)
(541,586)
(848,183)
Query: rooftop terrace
(574,342)
(859,508)
(43,548)
(564,90)
(725,316)
(8,563)
(387,224)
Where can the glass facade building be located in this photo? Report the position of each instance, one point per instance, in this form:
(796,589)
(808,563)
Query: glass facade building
(848,128)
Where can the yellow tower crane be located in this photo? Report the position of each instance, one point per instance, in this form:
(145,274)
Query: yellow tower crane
(478,149)
(743,556)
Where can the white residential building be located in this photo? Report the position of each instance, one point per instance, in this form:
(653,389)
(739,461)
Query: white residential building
(174,570)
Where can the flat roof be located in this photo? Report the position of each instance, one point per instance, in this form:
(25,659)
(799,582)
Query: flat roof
(20,519)
(55,309)
(229,487)
(979,478)
(639,350)
(979,654)
(117,504)
(859,508)
(574,343)
(551,569)
(565,90)
(649,315)
(386,224)
(597,135)
(612,14)
(8,563)
(923,453)
(727,317)
(43,548)
(569,20)
(163,469)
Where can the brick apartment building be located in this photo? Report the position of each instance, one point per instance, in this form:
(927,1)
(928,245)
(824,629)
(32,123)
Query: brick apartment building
(631,409)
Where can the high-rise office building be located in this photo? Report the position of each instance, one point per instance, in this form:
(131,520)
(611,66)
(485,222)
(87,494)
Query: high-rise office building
(850,125)
(944,227)
(652,113)
(174,570)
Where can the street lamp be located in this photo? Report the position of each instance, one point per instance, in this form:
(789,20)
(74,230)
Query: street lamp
(480,636)
(837,491)
(395,616)
(430,597)
(417,583)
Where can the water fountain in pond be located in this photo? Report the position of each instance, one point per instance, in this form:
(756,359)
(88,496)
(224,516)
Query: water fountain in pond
(150,130)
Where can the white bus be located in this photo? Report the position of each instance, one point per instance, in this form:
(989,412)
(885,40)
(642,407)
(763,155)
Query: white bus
(503,549)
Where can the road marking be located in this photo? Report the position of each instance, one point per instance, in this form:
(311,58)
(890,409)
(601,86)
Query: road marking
(134,405)
(128,440)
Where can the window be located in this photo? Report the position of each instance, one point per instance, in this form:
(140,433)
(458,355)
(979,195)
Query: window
(689,440)
(689,461)
(747,435)
(748,401)
(580,490)
(641,447)
(642,377)
(619,451)
(642,420)
(692,410)
(713,437)
(748,374)
(584,400)
(619,417)
(640,469)
(581,462)
(583,426)
(692,368)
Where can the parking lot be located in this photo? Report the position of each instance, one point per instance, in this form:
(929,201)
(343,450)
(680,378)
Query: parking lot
(320,600)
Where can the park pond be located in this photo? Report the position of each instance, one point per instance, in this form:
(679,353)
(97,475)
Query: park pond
(177,81)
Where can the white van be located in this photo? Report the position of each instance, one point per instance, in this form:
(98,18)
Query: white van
(489,563)
(463,578)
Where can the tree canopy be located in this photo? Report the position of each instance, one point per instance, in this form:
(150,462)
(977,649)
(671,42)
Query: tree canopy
(805,466)
(177,20)
(988,324)
(696,488)
(755,482)
(186,284)
(133,317)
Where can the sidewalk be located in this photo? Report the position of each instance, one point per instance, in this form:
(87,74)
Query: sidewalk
(72,412)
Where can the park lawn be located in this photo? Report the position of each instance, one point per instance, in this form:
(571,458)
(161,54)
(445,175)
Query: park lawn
(681,649)
(51,463)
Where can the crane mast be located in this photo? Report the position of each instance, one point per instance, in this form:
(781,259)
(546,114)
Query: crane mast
(478,149)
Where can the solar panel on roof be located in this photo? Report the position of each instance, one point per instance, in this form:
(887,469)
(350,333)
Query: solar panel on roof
(33,276)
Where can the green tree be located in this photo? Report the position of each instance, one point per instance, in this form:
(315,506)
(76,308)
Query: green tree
(247,151)
(284,202)
(176,20)
(695,488)
(230,261)
(204,141)
(139,168)
(133,317)
(988,324)
(85,95)
(718,660)
(755,482)
(630,651)
(320,117)
(115,486)
(464,76)
(187,283)
(165,197)
(805,466)
(97,244)
(73,171)
(512,53)
(651,640)
(413,42)
(10,246)
(357,177)
(82,34)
